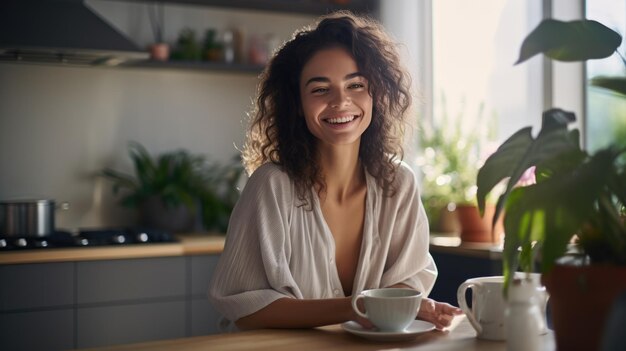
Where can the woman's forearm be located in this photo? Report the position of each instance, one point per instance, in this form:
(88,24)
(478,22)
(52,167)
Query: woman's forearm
(294,313)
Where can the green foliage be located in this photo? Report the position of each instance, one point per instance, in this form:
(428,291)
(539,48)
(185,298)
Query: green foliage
(570,41)
(453,150)
(616,84)
(179,178)
(187,46)
(210,40)
(575,41)
(577,194)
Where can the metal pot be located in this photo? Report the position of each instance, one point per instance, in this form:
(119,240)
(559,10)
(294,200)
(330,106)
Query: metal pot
(28,218)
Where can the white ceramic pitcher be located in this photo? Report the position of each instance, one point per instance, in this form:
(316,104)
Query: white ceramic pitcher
(488,305)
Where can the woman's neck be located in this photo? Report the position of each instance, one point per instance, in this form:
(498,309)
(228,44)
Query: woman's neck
(342,171)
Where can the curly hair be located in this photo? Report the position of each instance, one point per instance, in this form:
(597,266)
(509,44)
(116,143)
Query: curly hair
(278,133)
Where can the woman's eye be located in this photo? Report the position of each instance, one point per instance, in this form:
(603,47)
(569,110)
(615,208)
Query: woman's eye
(356,85)
(319,90)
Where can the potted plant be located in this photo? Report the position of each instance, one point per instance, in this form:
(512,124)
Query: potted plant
(212,48)
(171,190)
(572,218)
(187,47)
(454,146)
(159,50)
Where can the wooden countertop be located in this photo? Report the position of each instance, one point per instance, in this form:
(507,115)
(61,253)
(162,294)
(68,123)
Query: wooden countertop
(460,336)
(188,244)
(197,244)
(453,245)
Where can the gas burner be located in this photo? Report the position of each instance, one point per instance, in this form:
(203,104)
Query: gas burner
(56,239)
(87,238)
(123,236)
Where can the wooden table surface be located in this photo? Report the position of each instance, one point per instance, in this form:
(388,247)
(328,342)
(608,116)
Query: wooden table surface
(460,336)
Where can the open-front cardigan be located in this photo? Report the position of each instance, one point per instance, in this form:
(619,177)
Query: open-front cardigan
(275,248)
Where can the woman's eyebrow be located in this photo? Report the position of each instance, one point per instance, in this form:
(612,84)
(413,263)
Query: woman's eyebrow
(326,80)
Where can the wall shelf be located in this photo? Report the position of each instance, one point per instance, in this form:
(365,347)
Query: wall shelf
(311,7)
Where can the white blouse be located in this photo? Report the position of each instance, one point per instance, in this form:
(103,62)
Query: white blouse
(275,248)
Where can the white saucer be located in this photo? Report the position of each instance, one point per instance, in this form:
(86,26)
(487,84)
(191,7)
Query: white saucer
(417,327)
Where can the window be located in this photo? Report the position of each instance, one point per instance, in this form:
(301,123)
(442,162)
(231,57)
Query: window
(474,49)
(605,109)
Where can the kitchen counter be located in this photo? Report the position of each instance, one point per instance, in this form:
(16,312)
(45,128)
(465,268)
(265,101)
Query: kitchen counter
(197,244)
(452,245)
(188,244)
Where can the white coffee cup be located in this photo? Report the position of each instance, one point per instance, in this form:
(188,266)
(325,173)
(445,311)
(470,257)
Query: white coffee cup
(389,309)
(489,304)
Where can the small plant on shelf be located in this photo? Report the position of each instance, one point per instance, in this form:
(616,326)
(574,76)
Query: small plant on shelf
(187,46)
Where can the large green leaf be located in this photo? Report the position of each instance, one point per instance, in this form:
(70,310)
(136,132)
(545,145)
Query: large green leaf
(570,41)
(144,165)
(616,84)
(512,242)
(617,184)
(521,151)
(550,212)
(502,163)
(121,180)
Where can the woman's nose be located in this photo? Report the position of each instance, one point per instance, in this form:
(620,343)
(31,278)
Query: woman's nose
(340,99)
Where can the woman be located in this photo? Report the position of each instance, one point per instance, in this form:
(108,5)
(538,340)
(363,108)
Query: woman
(329,210)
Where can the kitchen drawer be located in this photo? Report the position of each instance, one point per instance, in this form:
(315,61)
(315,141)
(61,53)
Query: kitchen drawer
(204,318)
(120,324)
(202,267)
(41,330)
(133,279)
(26,286)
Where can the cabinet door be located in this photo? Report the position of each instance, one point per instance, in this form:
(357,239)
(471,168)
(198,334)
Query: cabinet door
(121,324)
(26,286)
(204,317)
(202,267)
(132,279)
(40,330)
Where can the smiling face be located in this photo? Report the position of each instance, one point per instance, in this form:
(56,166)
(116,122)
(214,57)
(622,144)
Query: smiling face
(335,99)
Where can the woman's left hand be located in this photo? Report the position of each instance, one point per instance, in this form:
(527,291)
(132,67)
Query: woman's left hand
(438,313)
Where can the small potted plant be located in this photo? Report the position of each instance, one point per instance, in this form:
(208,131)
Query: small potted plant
(454,147)
(159,50)
(572,218)
(187,46)
(171,190)
(212,48)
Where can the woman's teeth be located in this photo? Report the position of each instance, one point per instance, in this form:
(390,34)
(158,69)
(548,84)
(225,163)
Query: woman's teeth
(340,119)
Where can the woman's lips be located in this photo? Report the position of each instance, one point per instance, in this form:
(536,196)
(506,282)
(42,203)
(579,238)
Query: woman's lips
(340,121)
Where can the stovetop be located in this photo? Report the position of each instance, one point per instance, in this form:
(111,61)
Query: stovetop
(87,238)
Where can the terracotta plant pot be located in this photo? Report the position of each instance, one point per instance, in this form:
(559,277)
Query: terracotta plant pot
(475,228)
(160,51)
(581,298)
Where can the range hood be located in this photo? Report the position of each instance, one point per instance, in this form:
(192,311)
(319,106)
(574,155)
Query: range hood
(61,32)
